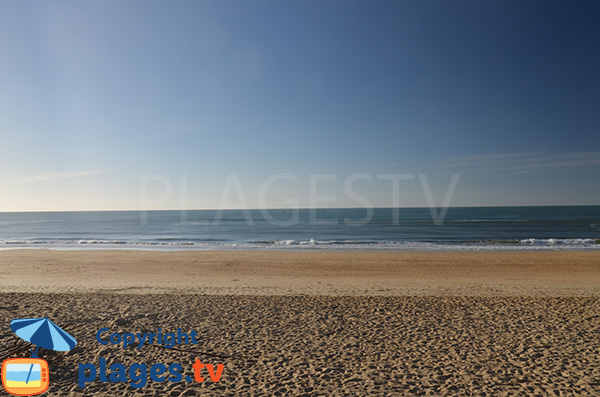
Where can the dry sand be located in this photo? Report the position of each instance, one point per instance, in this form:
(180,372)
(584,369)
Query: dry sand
(321,323)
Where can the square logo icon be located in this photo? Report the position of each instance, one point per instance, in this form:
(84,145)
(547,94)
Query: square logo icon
(25,376)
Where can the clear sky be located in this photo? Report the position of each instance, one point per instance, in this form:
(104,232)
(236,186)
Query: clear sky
(105,103)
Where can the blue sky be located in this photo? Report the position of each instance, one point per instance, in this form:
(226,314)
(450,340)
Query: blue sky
(108,104)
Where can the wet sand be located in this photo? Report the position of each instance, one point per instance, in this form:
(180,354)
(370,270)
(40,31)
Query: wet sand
(303,272)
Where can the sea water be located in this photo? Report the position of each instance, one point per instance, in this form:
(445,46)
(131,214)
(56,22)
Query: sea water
(462,228)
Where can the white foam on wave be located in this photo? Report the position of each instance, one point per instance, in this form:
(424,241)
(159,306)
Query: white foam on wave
(311,244)
(557,241)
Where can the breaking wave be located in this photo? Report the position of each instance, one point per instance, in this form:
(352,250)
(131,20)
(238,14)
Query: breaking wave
(311,244)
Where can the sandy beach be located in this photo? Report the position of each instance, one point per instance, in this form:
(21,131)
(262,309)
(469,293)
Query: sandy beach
(320,323)
(303,272)
(299,199)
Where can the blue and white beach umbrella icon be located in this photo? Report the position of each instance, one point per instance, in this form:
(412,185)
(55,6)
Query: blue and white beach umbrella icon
(42,332)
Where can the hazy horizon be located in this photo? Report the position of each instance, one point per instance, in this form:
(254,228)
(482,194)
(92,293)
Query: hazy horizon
(302,208)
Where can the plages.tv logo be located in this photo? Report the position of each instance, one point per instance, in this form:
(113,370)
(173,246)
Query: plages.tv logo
(31,376)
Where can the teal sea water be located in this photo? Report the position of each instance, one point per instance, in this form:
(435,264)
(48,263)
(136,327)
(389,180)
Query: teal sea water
(479,228)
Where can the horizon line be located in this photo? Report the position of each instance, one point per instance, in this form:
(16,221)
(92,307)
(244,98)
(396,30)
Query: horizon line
(292,209)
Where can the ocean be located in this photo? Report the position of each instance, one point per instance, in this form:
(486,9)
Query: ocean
(462,229)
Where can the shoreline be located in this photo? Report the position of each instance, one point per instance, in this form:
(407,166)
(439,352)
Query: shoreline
(329,273)
(540,249)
